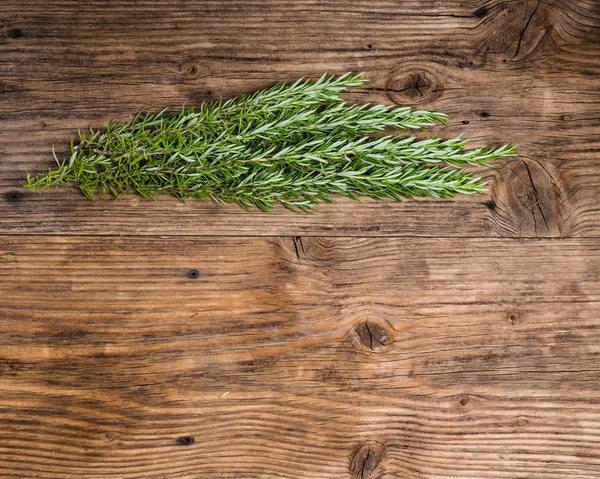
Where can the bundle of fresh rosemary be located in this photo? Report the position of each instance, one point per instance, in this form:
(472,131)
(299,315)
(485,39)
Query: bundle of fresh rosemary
(293,144)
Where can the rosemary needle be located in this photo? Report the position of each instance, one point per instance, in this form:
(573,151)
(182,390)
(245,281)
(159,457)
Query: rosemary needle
(294,144)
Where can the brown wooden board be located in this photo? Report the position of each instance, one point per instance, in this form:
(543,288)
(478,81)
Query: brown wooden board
(314,357)
(526,72)
(435,339)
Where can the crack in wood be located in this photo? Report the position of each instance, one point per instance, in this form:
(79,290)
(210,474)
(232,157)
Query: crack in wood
(536,197)
(297,240)
(522,34)
(370,335)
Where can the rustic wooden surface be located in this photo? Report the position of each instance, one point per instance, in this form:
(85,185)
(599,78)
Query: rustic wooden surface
(432,339)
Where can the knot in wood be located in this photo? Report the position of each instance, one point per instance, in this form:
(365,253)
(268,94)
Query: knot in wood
(521,422)
(13,196)
(192,68)
(522,29)
(413,86)
(371,335)
(193,274)
(512,317)
(185,441)
(366,459)
(480,12)
(532,200)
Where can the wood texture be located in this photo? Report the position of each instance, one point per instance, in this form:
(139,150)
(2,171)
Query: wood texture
(520,71)
(322,357)
(373,340)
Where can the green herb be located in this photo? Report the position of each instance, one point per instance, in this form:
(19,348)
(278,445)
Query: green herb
(290,144)
(9,256)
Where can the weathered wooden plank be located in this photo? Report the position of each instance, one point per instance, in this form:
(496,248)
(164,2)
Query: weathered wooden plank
(299,357)
(526,72)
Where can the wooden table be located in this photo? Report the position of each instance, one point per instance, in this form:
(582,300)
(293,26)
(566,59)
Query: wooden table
(433,339)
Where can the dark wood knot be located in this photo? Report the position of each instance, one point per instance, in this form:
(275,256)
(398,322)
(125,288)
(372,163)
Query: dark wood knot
(371,335)
(365,460)
(480,12)
(533,199)
(512,317)
(193,274)
(185,441)
(414,86)
(192,68)
(490,204)
(13,196)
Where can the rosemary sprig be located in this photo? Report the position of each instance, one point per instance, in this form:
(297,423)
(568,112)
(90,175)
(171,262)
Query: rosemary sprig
(290,144)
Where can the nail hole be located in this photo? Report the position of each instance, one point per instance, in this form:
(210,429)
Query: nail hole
(465,122)
(193,273)
(484,114)
(16,33)
(369,46)
(464,401)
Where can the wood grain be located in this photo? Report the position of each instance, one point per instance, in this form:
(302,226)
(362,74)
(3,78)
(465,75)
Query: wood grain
(374,340)
(299,357)
(520,71)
